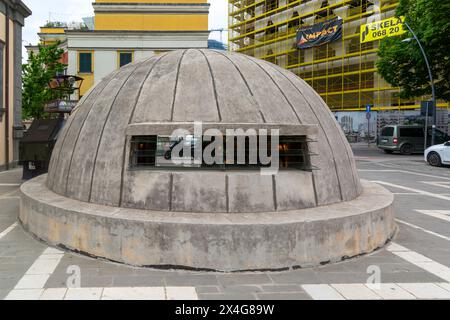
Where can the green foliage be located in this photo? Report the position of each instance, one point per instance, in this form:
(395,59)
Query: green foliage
(36,74)
(402,64)
(55,24)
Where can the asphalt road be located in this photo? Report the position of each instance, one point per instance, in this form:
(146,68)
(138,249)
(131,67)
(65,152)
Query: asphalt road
(416,265)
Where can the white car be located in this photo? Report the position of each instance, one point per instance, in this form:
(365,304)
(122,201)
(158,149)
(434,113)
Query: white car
(438,155)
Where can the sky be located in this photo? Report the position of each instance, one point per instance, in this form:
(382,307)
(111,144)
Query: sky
(74,10)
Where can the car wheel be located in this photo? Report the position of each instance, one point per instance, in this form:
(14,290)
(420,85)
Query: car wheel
(434,159)
(406,149)
(388,151)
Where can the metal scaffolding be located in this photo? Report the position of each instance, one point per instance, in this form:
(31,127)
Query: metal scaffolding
(343,72)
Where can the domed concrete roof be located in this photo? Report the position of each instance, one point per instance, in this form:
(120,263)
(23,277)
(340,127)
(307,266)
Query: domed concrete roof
(90,161)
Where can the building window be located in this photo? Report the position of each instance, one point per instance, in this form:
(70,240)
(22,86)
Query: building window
(143,151)
(271,5)
(85,62)
(149,152)
(294,23)
(125,58)
(270,28)
(294,153)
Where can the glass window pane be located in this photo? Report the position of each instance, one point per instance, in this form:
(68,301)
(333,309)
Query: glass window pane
(125,58)
(85,62)
(387,132)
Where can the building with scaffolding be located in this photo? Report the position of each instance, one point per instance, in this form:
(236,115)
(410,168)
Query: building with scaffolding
(342,71)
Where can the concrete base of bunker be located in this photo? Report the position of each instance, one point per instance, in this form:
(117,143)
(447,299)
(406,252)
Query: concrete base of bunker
(222,242)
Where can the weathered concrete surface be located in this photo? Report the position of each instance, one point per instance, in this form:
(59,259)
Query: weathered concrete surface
(193,99)
(106,189)
(217,191)
(94,202)
(251,193)
(211,241)
(199,192)
(148,190)
(91,159)
(294,191)
(333,181)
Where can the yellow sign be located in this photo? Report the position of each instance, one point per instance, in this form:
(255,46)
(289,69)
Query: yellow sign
(382,29)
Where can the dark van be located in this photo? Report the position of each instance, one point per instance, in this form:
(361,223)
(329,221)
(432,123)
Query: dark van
(407,139)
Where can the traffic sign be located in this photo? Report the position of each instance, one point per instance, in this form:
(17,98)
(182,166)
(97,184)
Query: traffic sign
(424,105)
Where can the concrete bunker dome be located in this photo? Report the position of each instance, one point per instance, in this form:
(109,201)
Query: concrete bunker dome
(91,160)
(96,200)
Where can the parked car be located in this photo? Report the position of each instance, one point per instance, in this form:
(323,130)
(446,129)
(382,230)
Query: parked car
(407,139)
(438,155)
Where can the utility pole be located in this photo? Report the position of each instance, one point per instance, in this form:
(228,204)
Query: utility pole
(430,75)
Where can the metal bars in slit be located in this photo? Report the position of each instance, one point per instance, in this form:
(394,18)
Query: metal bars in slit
(149,152)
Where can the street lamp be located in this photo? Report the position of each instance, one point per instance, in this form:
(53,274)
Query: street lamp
(433,90)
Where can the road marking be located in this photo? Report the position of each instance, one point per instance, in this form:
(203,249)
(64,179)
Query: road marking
(439,214)
(8,195)
(8,230)
(433,267)
(9,171)
(385,291)
(413,194)
(31,286)
(9,198)
(389,165)
(404,194)
(9,185)
(27,294)
(181,293)
(446,286)
(53,294)
(37,275)
(356,291)
(422,229)
(440,184)
(426,290)
(392,291)
(409,172)
(154,293)
(422,192)
(375,170)
(84,294)
(322,292)
(115,293)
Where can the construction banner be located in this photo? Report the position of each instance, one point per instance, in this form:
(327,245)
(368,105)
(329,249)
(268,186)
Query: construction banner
(382,29)
(319,34)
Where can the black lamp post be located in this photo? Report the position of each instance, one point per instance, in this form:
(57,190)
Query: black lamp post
(430,74)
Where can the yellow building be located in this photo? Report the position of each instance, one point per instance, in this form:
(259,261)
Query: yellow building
(12,16)
(342,71)
(52,33)
(127,30)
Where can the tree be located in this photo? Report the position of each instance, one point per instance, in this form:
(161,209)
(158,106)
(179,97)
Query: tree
(402,64)
(37,74)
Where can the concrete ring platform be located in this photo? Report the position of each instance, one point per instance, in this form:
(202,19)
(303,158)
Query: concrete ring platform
(207,241)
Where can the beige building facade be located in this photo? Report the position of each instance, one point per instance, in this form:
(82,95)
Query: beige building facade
(12,16)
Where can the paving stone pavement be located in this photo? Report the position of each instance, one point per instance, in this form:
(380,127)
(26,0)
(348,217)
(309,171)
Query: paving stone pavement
(22,256)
